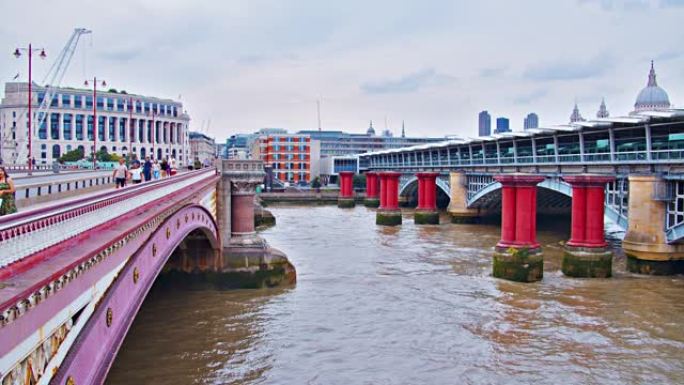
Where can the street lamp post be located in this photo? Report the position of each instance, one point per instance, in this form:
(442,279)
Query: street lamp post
(95,132)
(17,54)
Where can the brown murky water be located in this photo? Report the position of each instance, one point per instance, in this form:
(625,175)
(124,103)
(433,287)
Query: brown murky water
(409,305)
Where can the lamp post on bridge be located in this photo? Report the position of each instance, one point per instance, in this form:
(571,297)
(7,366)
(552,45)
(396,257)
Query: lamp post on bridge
(95,131)
(42,55)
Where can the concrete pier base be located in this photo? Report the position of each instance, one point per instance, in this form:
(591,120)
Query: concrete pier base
(371,202)
(388,217)
(464,217)
(345,203)
(426,217)
(645,266)
(587,262)
(256,265)
(518,264)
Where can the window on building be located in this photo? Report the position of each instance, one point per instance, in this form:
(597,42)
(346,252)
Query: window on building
(56,151)
(42,129)
(110,104)
(54,126)
(101,126)
(112,129)
(89,102)
(90,127)
(122,129)
(66,126)
(79,127)
(100,102)
(66,100)
(78,101)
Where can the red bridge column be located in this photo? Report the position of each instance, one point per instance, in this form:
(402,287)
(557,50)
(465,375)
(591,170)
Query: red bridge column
(426,212)
(346,198)
(517,256)
(586,254)
(372,190)
(389,213)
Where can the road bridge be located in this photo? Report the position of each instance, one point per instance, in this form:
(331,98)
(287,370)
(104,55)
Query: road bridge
(74,275)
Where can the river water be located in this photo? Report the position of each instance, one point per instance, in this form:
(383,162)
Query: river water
(409,305)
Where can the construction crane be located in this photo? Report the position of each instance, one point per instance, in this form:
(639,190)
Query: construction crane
(53,78)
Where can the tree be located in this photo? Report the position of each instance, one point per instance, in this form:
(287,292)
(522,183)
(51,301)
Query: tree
(316,183)
(72,156)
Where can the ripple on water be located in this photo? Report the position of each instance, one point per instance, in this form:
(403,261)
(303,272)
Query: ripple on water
(409,305)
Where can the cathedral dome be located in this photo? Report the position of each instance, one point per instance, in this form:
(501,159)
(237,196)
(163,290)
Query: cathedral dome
(652,97)
(371,130)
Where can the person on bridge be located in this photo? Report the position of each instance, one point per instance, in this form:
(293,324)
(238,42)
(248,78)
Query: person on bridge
(120,174)
(147,169)
(136,173)
(7,204)
(156,170)
(165,168)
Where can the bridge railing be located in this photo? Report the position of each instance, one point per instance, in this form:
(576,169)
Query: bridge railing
(27,233)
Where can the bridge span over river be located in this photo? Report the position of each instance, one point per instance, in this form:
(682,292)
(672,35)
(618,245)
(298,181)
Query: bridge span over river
(628,169)
(74,274)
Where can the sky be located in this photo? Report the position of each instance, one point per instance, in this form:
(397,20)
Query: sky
(240,65)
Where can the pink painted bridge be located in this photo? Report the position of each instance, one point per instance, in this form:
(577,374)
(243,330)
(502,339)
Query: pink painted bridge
(74,275)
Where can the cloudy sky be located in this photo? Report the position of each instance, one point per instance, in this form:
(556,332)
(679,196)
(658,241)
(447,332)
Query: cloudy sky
(240,65)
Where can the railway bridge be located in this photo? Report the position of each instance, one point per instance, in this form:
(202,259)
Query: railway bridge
(628,169)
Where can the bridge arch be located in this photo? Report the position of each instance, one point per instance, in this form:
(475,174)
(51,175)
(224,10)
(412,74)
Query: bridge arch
(408,190)
(104,332)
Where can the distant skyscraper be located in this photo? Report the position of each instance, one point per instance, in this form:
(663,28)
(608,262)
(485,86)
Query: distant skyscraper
(576,116)
(531,121)
(502,125)
(485,126)
(602,112)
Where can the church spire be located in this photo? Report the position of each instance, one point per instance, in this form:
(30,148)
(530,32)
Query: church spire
(576,116)
(603,111)
(652,77)
(403,131)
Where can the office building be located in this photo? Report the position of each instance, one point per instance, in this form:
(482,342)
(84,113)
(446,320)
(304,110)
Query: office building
(531,121)
(485,124)
(126,123)
(502,125)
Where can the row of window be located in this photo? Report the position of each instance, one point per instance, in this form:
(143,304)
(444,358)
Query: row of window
(288,156)
(108,129)
(110,104)
(290,166)
(630,144)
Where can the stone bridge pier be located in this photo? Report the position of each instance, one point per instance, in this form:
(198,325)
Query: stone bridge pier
(648,249)
(244,254)
(458,205)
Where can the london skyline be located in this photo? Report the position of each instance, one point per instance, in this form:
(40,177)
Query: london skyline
(258,64)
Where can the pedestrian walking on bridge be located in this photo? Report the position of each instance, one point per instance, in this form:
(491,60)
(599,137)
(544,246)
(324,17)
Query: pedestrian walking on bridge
(7,190)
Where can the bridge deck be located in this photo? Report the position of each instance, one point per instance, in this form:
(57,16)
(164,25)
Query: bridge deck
(40,245)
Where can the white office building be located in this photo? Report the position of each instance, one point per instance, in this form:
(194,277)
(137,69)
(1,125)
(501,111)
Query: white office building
(125,123)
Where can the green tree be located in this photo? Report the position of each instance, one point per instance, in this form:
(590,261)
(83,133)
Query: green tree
(72,156)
